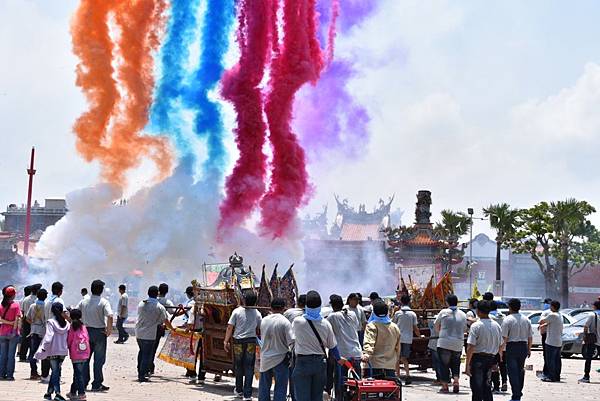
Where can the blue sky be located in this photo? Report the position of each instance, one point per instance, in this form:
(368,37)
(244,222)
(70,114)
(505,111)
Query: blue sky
(478,101)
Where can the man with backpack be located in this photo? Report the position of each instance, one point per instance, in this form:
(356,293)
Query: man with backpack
(592,341)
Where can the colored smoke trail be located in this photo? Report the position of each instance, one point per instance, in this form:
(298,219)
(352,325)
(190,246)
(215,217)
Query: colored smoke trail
(93,46)
(174,56)
(300,61)
(335,12)
(208,122)
(139,24)
(246,184)
(111,132)
(327,116)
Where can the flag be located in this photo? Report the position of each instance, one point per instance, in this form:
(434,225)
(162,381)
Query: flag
(288,288)
(476,294)
(428,296)
(274,283)
(264,292)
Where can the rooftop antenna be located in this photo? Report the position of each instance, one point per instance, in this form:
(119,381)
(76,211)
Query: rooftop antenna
(31,173)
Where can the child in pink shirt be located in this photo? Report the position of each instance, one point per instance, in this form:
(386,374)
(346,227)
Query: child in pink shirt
(78,342)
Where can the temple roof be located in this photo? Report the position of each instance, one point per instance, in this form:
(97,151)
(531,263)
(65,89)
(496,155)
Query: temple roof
(361,232)
(350,215)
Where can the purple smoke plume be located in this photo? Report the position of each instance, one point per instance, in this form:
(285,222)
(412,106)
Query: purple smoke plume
(326,115)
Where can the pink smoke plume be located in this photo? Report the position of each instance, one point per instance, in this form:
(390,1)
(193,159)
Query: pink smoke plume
(246,185)
(300,61)
(327,116)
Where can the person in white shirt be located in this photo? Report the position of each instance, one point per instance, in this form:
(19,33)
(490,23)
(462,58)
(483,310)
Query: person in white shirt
(451,324)
(122,314)
(592,325)
(406,320)
(276,331)
(97,316)
(163,290)
(345,328)
(353,304)
(293,313)
(518,337)
(484,341)
(553,325)
(57,290)
(29,299)
(545,311)
(244,328)
(313,335)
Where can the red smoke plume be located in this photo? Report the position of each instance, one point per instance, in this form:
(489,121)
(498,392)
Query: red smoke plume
(111,132)
(246,185)
(300,61)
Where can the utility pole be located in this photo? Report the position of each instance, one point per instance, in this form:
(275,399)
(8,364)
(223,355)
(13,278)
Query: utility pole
(470,211)
(31,173)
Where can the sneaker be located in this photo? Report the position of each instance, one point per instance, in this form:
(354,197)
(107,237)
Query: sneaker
(504,388)
(10,379)
(119,342)
(584,380)
(247,399)
(217,378)
(59,397)
(47,396)
(102,388)
(238,395)
(72,396)
(45,379)
(34,376)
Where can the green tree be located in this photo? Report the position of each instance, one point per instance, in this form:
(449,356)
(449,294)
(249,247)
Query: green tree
(449,230)
(503,219)
(561,239)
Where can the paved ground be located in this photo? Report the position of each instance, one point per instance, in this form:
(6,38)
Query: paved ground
(169,383)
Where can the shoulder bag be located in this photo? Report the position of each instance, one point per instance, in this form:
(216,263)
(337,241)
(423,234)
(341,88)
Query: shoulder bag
(314,329)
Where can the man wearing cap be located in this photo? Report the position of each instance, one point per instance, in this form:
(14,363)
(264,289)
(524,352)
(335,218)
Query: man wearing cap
(276,333)
(313,335)
(484,341)
(345,327)
(97,315)
(382,343)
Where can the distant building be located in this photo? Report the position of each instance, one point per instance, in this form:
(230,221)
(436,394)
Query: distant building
(41,217)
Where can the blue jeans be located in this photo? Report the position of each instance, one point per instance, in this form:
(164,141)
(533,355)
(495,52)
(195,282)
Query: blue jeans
(281,374)
(98,352)
(553,362)
(144,358)
(437,364)
(515,355)
(481,372)
(36,340)
(449,362)
(244,356)
(8,352)
(310,374)
(78,385)
(123,336)
(56,368)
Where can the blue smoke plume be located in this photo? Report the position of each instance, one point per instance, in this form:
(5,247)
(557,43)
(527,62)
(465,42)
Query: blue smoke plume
(208,122)
(165,114)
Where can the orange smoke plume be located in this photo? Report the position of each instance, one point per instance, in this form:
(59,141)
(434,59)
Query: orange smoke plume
(111,131)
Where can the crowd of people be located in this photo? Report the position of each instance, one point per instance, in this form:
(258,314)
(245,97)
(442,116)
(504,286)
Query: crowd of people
(305,350)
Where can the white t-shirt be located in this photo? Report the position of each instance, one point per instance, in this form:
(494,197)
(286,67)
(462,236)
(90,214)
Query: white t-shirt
(345,327)
(516,328)
(486,336)
(406,320)
(123,305)
(48,305)
(245,322)
(453,324)
(276,332)
(592,323)
(306,342)
(293,313)
(554,330)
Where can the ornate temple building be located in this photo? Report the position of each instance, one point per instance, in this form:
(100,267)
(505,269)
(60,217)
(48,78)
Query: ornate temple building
(362,246)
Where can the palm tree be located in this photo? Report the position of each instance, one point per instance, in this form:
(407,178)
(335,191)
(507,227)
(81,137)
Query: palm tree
(450,229)
(503,219)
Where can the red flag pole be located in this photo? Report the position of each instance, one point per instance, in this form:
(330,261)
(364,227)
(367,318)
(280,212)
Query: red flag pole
(31,173)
